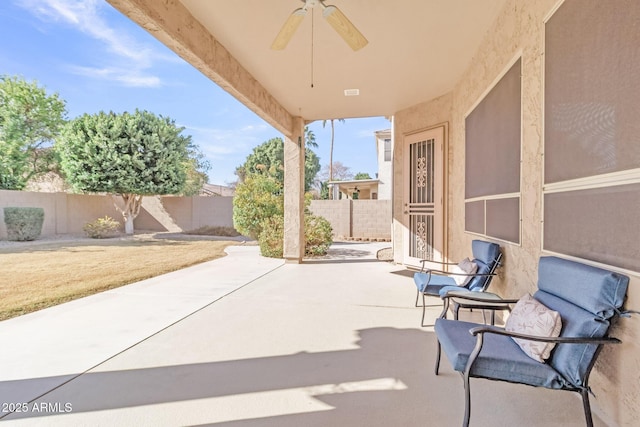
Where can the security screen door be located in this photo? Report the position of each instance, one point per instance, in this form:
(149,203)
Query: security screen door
(423,197)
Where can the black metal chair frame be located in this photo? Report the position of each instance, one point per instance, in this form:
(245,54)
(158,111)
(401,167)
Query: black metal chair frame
(487,281)
(481,330)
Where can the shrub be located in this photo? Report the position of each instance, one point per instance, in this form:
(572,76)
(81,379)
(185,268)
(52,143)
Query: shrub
(211,230)
(257,198)
(317,235)
(271,239)
(23,223)
(102,228)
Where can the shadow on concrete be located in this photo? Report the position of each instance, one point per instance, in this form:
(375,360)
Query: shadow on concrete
(387,381)
(395,379)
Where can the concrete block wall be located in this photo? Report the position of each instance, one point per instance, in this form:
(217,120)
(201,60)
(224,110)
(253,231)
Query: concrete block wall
(371,219)
(358,219)
(337,212)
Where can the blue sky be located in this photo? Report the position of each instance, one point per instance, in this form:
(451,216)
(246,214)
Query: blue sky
(97,59)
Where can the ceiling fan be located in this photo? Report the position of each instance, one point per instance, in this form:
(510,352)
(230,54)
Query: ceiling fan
(332,14)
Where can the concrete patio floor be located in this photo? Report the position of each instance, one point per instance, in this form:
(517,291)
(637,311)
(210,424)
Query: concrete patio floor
(249,341)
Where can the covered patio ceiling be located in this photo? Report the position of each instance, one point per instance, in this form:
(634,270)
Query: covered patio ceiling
(417,51)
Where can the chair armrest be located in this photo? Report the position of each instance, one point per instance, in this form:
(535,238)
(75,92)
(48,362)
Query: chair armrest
(560,340)
(449,273)
(478,297)
(422,261)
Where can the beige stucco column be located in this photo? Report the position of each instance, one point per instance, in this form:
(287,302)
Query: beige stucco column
(294,193)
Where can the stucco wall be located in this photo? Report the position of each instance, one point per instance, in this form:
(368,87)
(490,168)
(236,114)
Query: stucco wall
(67,213)
(190,213)
(63,213)
(518,31)
(385,168)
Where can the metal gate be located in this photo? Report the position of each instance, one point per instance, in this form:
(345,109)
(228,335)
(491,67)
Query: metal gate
(423,197)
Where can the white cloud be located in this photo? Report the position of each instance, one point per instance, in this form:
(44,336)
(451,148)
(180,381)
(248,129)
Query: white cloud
(129,60)
(127,77)
(227,148)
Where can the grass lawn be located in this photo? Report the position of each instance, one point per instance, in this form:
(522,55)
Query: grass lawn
(36,276)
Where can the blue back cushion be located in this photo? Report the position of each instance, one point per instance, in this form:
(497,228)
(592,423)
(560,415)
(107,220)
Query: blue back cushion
(485,255)
(586,297)
(572,360)
(594,289)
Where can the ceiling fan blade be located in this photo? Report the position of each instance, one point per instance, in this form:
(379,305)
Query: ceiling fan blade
(288,29)
(344,27)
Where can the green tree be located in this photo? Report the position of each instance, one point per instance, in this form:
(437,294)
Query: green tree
(131,155)
(30,120)
(362,175)
(257,198)
(197,168)
(310,137)
(268,158)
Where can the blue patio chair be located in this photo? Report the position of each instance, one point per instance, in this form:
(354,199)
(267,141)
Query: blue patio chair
(586,298)
(437,283)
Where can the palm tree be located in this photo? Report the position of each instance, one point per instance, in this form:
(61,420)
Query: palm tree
(324,122)
(310,137)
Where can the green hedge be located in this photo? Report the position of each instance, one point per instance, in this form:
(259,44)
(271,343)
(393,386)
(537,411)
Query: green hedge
(23,223)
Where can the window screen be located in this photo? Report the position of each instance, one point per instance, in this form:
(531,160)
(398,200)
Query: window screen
(474,217)
(592,100)
(592,89)
(492,160)
(503,219)
(492,140)
(600,224)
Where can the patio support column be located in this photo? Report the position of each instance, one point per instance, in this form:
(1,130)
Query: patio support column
(294,151)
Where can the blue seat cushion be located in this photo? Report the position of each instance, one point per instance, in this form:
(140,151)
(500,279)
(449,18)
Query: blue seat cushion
(445,289)
(501,358)
(437,281)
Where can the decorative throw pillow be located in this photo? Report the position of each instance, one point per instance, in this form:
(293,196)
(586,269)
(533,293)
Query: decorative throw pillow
(466,266)
(532,318)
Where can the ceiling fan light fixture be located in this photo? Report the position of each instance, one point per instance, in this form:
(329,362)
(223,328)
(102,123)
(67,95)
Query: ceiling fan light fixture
(334,16)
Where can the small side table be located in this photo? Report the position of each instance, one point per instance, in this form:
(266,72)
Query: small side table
(478,300)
